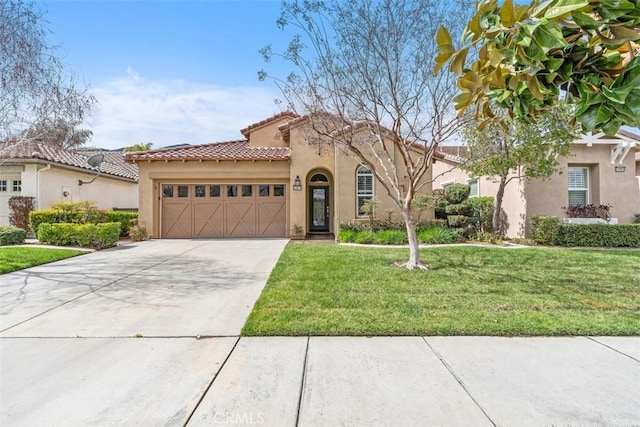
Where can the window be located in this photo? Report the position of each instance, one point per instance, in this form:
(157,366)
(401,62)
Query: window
(232,191)
(183,191)
(167,191)
(3,185)
(200,191)
(17,186)
(473,185)
(578,186)
(247,190)
(263,190)
(214,191)
(278,190)
(364,188)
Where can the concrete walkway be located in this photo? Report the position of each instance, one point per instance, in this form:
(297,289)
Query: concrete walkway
(147,334)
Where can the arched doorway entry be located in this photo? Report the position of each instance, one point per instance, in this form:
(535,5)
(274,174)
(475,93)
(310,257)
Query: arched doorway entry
(320,201)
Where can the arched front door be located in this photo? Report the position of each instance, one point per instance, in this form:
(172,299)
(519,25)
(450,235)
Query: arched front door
(319,203)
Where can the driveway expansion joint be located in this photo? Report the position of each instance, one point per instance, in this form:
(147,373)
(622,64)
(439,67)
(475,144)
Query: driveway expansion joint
(302,381)
(612,348)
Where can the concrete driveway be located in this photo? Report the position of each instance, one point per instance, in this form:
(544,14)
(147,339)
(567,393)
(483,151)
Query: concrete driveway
(110,337)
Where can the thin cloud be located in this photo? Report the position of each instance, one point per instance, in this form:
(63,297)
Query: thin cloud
(133,110)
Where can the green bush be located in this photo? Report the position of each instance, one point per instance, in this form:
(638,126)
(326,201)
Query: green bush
(72,213)
(391,237)
(637,219)
(458,221)
(96,236)
(365,237)
(544,229)
(431,223)
(437,235)
(463,208)
(481,212)
(599,235)
(347,236)
(123,217)
(457,193)
(10,235)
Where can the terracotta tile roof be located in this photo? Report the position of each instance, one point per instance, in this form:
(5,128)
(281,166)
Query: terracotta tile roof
(34,151)
(454,150)
(231,150)
(278,116)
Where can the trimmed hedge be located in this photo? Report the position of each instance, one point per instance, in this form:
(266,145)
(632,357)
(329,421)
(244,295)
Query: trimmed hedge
(428,235)
(599,235)
(55,216)
(544,229)
(98,236)
(10,235)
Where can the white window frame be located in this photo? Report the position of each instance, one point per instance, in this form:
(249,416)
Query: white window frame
(585,189)
(363,194)
(4,185)
(16,185)
(445,184)
(468,181)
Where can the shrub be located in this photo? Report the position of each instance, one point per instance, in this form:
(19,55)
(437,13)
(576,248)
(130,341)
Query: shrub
(10,235)
(544,229)
(138,232)
(38,217)
(588,211)
(347,236)
(98,236)
(123,217)
(463,208)
(19,208)
(437,235)
(481,213)
(599,235)
(457,193)
(81,212)
(365,237)
(458,221)
(353,226)
(431,223)
(391,237)
(637,219)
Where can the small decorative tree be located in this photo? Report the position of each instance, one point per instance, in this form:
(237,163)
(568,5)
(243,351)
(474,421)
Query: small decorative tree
(19,208)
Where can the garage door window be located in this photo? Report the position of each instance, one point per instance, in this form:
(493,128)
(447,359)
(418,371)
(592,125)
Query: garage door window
(200,191)
(247,190)
(263,190)
(232,191)
(167,191)
(214,191)
(183,191)
(278,190)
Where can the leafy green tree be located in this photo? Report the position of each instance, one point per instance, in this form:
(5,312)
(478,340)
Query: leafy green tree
(366,86)
(512,150)
(144,146)
(530,56)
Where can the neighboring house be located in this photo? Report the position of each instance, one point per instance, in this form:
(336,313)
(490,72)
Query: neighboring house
(598,170)
(274,183)
(52,174)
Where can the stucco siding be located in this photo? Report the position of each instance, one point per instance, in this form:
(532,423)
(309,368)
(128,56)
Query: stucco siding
(606,186)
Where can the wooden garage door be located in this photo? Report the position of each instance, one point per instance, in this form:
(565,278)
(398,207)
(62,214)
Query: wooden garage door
(223,210)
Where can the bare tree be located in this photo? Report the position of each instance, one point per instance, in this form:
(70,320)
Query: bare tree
(37,92)
(367,86)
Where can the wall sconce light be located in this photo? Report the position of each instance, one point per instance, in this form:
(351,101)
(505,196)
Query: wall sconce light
(65,194)
(297,185)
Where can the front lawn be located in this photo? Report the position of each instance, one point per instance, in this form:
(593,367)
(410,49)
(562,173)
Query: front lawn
(340,290)
(14,258)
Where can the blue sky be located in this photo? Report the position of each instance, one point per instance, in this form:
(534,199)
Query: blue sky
(170,72)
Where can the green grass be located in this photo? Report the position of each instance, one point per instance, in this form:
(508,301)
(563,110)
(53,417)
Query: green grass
(14,258)
(339,290)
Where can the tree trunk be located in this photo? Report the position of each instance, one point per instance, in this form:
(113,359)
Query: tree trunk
(497,205)
(414,253)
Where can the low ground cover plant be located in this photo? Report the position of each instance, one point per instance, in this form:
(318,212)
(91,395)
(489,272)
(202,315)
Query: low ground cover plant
(17,258)
(346,290)
(429,232)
